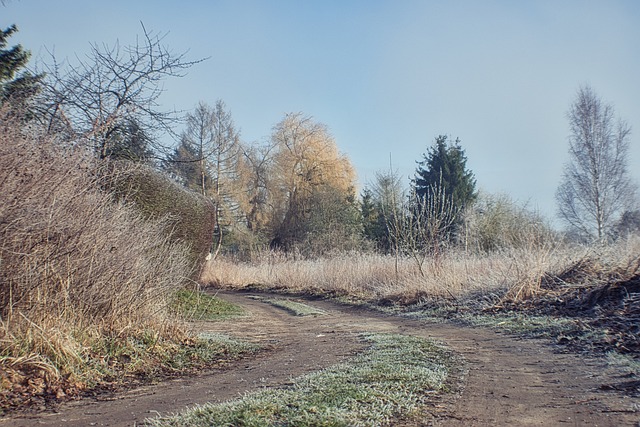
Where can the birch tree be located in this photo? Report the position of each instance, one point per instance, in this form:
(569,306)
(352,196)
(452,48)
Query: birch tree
(595,188)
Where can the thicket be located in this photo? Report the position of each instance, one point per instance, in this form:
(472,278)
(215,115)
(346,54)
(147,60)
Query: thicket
(82,275)
(495,222)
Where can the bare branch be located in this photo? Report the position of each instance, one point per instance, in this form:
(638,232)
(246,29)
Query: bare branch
(110,85)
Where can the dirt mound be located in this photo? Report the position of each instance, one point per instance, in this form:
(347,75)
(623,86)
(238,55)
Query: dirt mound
(600,298)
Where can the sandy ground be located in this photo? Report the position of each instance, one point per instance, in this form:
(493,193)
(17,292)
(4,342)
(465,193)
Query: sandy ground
(508,381)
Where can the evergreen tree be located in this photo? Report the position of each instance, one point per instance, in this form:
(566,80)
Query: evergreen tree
(445,167)
(12,85)
(374,223)
(185,166)
(129,141)
(370,215)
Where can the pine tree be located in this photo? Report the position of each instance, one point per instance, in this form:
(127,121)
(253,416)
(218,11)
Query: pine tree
(12,85)
(445,167)
(185,166)
(370,215)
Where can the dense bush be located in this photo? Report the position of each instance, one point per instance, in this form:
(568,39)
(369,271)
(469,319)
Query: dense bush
(75,266)
(190,215)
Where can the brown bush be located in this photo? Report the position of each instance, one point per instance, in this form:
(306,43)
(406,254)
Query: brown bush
(74,265)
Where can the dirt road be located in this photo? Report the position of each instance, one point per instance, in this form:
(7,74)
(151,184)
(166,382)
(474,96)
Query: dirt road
(509,381)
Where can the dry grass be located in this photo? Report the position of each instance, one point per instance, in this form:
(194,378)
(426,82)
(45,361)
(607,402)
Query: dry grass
(81,275)
(375,277)
(511,274)
(584,298)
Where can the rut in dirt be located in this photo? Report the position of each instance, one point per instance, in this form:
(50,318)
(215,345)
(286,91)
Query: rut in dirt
(509,381)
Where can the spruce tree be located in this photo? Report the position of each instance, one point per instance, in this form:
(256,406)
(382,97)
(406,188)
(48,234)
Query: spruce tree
(12,61)
(445,167)
(129,141)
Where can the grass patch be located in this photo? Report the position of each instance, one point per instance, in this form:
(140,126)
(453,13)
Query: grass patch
(110,361)
(294,307)
(370,389)
(523,324)
(196,305)
(561,330)
(526,325)
(572,334)
(149,355)
(210,348)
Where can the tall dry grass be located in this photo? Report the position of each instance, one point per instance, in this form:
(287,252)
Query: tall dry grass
(376,277)
(512,273)
(77,269)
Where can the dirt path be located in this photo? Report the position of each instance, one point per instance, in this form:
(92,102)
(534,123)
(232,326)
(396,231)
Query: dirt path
(509,381)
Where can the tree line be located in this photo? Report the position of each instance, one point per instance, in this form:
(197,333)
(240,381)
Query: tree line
(296,190)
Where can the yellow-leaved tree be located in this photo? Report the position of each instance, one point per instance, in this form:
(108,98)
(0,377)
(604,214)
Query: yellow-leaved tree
(312,188)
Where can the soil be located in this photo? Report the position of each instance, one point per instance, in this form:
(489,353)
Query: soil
(506,380)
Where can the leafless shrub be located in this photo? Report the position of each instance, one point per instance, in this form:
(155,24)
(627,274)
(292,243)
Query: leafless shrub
(422,229)
(74,265)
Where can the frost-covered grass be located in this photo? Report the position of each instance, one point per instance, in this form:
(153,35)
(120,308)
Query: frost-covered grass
(626,363)
(375,277)
(294,307)
(390,381)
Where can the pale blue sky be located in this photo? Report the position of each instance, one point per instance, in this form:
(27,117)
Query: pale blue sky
(385,76)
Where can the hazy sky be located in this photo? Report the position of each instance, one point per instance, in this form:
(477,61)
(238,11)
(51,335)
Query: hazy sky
(386,77)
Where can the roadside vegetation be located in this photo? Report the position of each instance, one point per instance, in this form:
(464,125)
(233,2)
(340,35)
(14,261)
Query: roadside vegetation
(583,298)
(99,250)
(196,305)
(369,389)
(114,214)
(89,284)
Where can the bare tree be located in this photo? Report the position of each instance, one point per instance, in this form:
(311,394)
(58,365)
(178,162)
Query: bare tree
(595,187)
(90,100)
(207,158)
(189,161)
(224,158)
